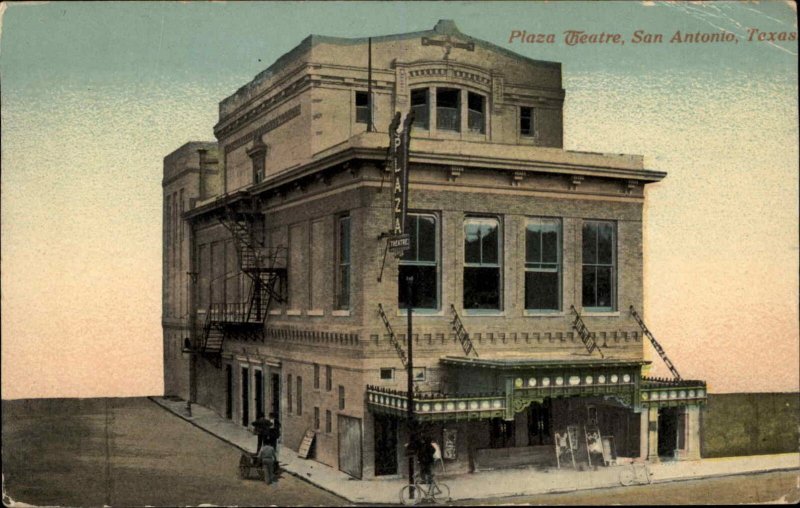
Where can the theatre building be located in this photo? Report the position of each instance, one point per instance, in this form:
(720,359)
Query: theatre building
(280,296)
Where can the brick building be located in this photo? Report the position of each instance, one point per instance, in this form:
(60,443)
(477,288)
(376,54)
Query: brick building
(527,262)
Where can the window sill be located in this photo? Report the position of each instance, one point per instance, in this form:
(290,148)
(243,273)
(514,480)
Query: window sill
(315,312)
(422,312)
(534,313)
(275,312)
(340,313)
(484,313)
(600,313)
(294,312)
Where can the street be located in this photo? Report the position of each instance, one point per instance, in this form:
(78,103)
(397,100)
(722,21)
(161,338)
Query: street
(131,452)
(127,452)
(761,488)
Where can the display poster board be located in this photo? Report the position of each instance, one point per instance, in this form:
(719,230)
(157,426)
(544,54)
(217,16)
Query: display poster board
(305,444)
(449,451)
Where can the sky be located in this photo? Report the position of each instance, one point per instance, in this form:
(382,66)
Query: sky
(95,94)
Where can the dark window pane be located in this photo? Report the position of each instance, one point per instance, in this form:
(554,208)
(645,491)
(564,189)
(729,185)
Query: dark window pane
(475,113)
(604,285)
(589,284)
(490,243)
(605,243)
(526,121)
(425,286)
(426,238)
(481,288)
(447,98)
(541,290)
(448,111)
(361,99)
(344,240)
(472,243)
(550,243)
(533,251)
(589,242)
(419,104)
(475,102)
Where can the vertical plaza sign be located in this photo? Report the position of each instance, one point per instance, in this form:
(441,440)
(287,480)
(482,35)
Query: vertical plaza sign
(399,241)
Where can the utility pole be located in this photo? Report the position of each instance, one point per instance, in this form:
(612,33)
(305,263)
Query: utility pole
(412,438)
(190,281)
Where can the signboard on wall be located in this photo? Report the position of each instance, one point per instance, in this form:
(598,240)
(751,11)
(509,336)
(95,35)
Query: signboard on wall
(449,449)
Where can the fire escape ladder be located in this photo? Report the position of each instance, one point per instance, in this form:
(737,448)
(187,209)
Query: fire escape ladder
(461,333)
(392,337)
(655,344)
(586,336)
(213,337)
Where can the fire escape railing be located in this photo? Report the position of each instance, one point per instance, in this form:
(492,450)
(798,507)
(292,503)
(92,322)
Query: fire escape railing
(461,333)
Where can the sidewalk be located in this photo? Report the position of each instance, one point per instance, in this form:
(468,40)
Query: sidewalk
(505,483)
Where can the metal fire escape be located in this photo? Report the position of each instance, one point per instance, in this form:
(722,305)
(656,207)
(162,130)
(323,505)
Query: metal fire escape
(656,345)
(266,270)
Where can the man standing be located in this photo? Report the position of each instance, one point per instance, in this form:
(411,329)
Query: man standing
(272,436)
(262,427)
(268,460)
(425,457)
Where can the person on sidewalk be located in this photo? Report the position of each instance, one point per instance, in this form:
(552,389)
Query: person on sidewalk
(262,426)
(425,457)
(272,436)
(268,459)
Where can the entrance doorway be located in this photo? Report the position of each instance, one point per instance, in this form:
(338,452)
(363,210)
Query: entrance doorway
(245,396)
(501,433)
(539,423)
(385,445)
(228,392)
(350,445)
(667,431)
(259,392)
(275,400)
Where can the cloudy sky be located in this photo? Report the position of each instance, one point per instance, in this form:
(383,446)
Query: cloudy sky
(95,94)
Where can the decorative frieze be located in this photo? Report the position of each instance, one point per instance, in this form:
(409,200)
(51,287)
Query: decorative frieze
(313,336)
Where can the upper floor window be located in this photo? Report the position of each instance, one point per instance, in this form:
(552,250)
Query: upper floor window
(526,127)
(482,263)
(543,264)
(362,107)
(419,105)
(421,263)
(599,265)
(343,263)
(448,109)
(476,106)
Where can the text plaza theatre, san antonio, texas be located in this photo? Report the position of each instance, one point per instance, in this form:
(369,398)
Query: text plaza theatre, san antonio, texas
(526,262)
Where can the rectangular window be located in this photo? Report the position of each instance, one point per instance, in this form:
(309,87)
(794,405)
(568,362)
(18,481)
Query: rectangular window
(259,167)
(362,107)
(448,109)
(316,418)
(420,107)
(341,397)
(328,378)
(289,393)
(343,264)
(327,421)
(299,396)
(316,376)
(482,263)
(421,263)
(543,265)
(526,122)
(419,374)
(599,265)
(476,106)
(387,374)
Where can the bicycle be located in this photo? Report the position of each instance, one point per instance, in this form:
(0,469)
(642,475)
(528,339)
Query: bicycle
(420,491)
(638,473)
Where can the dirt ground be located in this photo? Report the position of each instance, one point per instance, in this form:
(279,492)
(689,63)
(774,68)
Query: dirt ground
(127,452)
